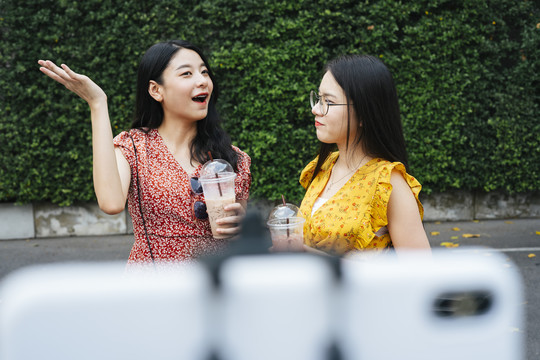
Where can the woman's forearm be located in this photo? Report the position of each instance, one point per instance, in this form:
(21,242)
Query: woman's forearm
(110,192)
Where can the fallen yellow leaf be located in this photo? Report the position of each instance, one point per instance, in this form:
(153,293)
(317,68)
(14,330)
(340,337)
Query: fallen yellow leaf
(471,235)
(476,221)
(509,222)
(456,229)
(538,233)
(435,233)
(449,244)
(531,255)
(437,222)
(454,237)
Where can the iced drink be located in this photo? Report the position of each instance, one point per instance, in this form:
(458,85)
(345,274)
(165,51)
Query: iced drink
(294,242)
(287,234)
(215,210)
(218,192)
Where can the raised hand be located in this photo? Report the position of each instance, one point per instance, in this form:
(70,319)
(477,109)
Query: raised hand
(81,85)
(110,168)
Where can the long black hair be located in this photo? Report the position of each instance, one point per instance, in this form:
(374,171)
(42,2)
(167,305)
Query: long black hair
(370,89)
(210,137)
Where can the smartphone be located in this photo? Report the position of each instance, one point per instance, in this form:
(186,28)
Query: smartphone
(98,311)
(464,304)
(275,307)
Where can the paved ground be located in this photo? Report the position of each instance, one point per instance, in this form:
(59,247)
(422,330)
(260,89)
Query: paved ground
(518,239)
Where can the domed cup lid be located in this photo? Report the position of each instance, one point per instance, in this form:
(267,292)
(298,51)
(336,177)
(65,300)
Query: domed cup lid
(215,170)
(283,211)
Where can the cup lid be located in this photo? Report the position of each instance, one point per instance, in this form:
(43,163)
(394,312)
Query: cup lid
(218,166)
(283,212)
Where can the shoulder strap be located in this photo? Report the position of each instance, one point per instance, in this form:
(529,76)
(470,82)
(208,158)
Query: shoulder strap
(139,197)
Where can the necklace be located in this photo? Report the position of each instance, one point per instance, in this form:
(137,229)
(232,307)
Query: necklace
(343,177)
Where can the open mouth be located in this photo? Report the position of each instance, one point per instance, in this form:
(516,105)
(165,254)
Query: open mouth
(200,98)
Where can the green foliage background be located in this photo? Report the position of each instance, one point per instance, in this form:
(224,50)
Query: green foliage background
(467,72)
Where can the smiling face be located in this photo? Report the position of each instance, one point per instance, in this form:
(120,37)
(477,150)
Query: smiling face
(185,88)
(332,127)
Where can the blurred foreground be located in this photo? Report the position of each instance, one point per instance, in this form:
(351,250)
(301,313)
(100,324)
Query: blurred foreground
(399,308)
(463,305)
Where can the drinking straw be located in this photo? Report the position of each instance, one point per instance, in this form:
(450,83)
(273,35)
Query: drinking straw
(217,177)
(219,186)
(285,204)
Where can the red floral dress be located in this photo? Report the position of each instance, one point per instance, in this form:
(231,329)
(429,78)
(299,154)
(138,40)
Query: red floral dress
(166,201)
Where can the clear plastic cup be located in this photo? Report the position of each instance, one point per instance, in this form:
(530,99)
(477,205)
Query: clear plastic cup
(286,228)
(217,179)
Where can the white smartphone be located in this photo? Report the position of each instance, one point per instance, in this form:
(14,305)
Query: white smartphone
(96,311)
(465,304)
(275,307)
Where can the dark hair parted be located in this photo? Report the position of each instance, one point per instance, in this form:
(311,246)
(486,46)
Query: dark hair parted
(370,89)
(210,137)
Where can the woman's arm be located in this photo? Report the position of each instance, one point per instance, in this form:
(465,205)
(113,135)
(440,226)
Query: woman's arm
(404,222)
(110,169)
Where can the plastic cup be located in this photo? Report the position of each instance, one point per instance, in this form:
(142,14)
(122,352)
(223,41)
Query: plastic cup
(217,180)
(287,233)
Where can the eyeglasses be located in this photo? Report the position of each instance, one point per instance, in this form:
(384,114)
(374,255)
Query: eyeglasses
(198,208)
(324,105)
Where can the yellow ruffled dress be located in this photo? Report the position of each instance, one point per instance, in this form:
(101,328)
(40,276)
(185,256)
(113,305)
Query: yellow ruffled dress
(355,217)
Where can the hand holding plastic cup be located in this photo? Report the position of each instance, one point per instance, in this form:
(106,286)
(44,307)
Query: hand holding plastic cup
(286,228)
(217,179)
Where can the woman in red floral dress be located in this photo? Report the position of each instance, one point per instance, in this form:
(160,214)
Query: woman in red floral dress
(155,165)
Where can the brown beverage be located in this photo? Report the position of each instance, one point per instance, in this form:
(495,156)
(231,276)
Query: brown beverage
(215,210)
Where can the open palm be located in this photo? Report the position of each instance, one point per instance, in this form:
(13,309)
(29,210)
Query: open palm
(81,85)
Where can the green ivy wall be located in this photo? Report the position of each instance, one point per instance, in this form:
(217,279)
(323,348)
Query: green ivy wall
(467,72)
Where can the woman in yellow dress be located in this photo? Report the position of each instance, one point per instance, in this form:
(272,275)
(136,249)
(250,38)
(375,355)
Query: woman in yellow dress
(361,196)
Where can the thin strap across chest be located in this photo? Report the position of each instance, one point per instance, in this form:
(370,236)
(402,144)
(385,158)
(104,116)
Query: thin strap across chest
(139,197)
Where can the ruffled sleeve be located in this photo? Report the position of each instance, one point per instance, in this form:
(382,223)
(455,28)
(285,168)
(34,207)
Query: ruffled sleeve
(123,141)
(379,205)
(242,182)
(307,173)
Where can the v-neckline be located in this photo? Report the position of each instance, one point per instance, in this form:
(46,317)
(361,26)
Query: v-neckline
(329,174)
(171,156)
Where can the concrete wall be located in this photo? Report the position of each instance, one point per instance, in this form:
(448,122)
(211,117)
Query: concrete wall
(46,220)
(43,220)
